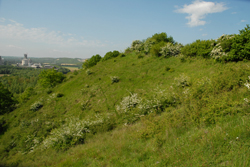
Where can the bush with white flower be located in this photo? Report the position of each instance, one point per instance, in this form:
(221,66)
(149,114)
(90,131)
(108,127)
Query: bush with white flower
(182,81)
(222,47)
(128,103)
(36,106)
(114,79)
(170,50)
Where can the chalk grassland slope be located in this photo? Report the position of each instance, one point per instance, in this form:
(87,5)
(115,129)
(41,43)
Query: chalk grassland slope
(160,112)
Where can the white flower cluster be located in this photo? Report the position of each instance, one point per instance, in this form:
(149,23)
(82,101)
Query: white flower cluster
(170,50)
(147,45)
(128,103)
(137,45)
(217,51)
(247,84)
(149,105)
(72,132)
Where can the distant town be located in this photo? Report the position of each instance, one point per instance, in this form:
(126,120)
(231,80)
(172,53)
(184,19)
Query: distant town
(47,63)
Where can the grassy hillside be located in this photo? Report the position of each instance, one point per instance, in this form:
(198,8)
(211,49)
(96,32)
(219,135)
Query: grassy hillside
(172,112)
(157,104)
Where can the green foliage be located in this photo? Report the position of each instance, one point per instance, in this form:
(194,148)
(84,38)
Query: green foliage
(63,70)
(75,72)
(201,48)
(18,79)
(6,100)
(92,61)
(50,78)
(137,46)
(152,45)
(25,96)
(156,49)
(110,55)
(122,55)
(240,46)
(162,37)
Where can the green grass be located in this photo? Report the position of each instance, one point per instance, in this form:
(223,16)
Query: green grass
(204,123)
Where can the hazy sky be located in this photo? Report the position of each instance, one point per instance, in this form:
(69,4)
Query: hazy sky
(82,28)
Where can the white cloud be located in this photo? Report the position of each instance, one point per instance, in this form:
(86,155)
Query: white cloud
(198,11)
(2,19)
(234,13)
(204,35)
(13,46)
(243,21)
(16,31)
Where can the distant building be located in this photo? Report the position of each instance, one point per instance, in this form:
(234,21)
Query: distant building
(26,62)
(36,65)
(1,61)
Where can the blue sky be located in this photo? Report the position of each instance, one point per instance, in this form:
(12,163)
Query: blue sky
(82,28)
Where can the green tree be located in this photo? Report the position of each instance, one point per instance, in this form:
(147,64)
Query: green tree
(6,100)
(50,78)
(198,48)
(110,55)
(92,61)
(240,47)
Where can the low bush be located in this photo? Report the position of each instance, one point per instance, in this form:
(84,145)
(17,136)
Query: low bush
(114,79)
(36,106)
(92,61)
(110,55)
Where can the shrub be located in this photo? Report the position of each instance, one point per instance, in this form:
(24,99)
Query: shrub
(200,48)
(122,55)
(240,47)
(6,100)
(110,55)
(128,103)
(137,46)
(36,106)
(63,70)
(92,61)
(114,79)
(50,78)
(155,50)
(26,94)
(75,72)
(170,50)
(71,133)
(222,47)
(182,81)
